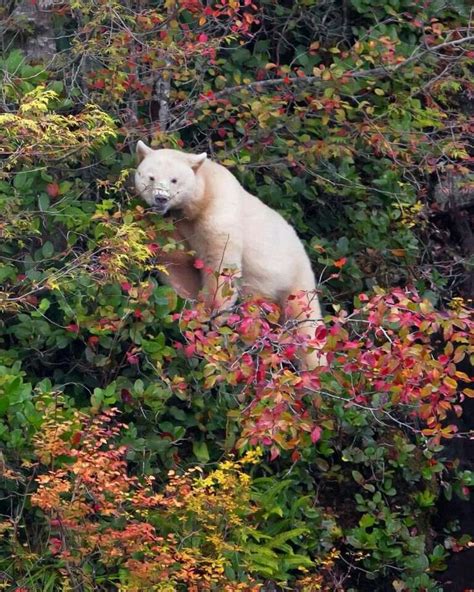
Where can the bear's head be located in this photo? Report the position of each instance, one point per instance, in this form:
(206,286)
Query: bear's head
(166,179)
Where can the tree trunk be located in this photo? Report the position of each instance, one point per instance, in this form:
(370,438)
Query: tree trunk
(40,45)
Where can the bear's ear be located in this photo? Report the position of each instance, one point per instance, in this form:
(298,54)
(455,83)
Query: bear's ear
(196,160)
(142,150)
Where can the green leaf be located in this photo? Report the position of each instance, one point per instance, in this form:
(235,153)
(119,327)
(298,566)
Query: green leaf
(4,403)
(297,561)
(14,60)
(48,249)
(43,202)
(358,477)
(280,539)
(367,521)
(419,563)
(23,180)
(201,451)
(7,272)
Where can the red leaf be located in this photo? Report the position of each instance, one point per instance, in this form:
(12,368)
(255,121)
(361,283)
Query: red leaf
(92,341)
(132,358)
(55,546)
(126,396)
(274,452)
(76,438)
(52,189)
(289,351)
(320,333)
(316,434)
(190,350)
(199,264)
(295,456)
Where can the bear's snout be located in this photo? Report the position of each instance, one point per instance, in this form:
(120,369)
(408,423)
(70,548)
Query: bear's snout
(161,202)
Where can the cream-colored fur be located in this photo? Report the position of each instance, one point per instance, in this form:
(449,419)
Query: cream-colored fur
(228,228)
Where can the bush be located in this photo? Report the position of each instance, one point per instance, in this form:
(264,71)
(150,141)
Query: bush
(145,446)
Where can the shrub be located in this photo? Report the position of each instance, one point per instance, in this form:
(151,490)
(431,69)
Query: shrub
(147,445)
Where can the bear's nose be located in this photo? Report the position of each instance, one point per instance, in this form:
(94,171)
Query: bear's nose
(160,198)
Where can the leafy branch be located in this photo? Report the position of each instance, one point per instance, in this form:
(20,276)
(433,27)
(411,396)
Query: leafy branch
(377,73)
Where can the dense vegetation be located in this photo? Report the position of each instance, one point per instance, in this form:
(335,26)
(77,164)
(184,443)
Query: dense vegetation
(146,448)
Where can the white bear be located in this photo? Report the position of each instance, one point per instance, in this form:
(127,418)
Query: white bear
(228,229)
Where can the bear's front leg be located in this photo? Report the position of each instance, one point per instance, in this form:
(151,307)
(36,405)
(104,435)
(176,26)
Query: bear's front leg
(220,288)
(223,268)
(182,276)
(181,273)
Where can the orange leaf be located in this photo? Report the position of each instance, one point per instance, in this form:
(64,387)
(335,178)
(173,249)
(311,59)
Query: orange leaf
(340,262)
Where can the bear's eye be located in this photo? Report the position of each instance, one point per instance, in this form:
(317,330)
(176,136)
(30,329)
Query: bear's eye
(151,178)
(174,180)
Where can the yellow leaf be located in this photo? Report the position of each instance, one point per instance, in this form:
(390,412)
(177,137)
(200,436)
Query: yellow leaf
(379,92)
(450,382)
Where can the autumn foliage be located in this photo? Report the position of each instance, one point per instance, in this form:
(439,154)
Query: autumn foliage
(149,443)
